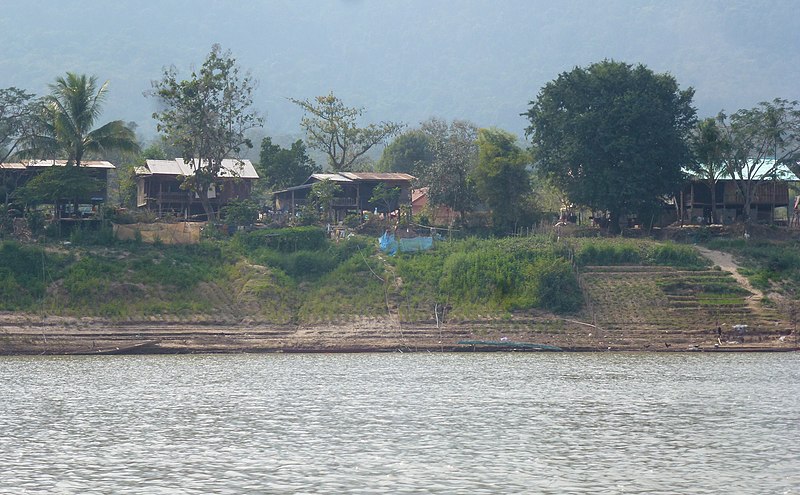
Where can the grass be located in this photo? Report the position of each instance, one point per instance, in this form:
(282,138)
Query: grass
(25,273)
(293,276)
(489,276)
(619,251)
(220,280)
(353,288)
(769,265)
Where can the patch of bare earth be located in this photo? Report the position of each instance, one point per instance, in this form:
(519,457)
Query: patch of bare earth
(726,262)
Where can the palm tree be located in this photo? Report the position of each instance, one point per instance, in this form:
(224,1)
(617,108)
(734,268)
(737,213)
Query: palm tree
(68,114)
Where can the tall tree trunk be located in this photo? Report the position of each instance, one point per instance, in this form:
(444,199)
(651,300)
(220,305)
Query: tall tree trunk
(613,222)
(747,202)
(201,187)
(713,185)
(211,215)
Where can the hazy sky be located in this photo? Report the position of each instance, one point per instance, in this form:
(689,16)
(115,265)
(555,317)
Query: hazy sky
(404,60)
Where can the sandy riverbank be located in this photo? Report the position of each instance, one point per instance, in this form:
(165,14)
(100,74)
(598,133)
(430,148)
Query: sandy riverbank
(31,335)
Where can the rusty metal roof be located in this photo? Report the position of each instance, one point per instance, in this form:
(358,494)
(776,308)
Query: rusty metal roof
(416,194)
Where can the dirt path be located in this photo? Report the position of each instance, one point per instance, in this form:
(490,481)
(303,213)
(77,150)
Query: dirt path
(726,262)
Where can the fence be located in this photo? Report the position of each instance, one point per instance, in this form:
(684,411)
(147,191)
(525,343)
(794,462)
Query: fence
(167,233)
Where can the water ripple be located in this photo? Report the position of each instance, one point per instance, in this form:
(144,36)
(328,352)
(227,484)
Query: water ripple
(386,423)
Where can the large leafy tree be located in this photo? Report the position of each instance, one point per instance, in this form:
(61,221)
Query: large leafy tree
(122,179)
(612,135)
(455,155)
(709,147)
(65,130)
(332,128)
(320,199)
(501,178)
(207,117)
(758,142)
(386,198)
(17,111)
(408,153)
(56,184)
(280,167)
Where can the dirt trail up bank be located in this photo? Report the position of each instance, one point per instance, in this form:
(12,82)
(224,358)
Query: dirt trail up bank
(726,262)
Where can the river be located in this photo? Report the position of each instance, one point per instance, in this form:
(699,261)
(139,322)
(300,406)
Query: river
(401,423)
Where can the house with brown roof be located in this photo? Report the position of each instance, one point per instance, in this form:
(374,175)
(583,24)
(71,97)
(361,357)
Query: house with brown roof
(159,186)
(355,191)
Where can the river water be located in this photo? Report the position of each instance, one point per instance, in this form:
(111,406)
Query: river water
(401,423)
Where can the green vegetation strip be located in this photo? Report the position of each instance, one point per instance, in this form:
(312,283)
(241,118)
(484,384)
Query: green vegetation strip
(299,276)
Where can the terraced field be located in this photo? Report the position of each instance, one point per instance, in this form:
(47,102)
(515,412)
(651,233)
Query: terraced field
(642,307)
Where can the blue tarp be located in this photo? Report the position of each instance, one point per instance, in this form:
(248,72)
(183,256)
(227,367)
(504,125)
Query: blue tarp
(390,245)
(416,244)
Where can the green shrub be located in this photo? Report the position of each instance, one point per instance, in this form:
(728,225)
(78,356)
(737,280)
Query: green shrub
(24,274)
(487,276)
(89,279)
(671,254)
(36,221)
(353,220)
(482,274)
(306,264)
(178,267)
(609,252)
(553,285)
(284,240)
(240,212)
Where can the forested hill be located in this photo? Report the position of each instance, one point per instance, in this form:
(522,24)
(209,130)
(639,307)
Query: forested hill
(404,61)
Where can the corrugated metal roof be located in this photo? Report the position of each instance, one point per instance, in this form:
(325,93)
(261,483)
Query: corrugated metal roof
(333,177)
(345,177)
(782,171)
(294,188)
(231,167)
(358,176)
(12,166)
(61,163)
(377,176)
(238,168)
(166,167)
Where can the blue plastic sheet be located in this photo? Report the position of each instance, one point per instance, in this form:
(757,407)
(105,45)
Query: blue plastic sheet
(416,244)
(388,243)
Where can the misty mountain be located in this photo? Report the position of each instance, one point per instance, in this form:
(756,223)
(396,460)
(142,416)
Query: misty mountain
(403,61)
